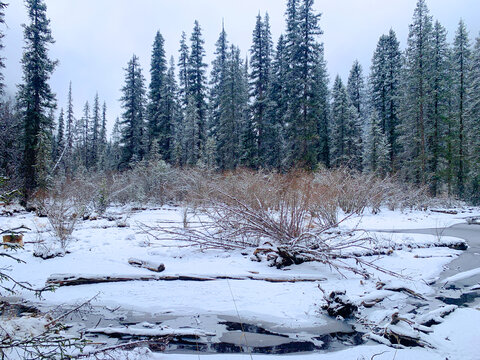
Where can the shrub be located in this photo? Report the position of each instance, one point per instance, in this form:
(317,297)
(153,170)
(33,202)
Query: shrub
(63,207)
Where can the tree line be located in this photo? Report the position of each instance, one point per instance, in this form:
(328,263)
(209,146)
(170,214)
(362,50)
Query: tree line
(415,114)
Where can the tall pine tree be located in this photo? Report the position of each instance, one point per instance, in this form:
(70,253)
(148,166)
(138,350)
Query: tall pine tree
(440,97)
(376,153)
(217,87)
(183,69)
(233,110)
(196,91)
(277,107)
(95,133)
(133,118)
(416,117)
(260,65)
(356,95)
(83,136)
(35,97)
(356,88)
(2,64)
(303,50)
(60,138)
(461,64)
(159,123)
(346,147)
(385,89)
(474,124)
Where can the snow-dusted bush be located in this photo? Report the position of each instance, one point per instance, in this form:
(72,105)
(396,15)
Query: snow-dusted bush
(148,182)
(64,206)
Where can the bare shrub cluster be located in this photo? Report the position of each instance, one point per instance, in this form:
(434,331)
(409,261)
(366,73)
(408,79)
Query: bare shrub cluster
(157,183)
(63,207)
(289,217)
(356,192)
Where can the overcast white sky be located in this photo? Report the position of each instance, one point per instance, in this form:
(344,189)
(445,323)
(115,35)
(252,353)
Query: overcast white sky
(96,38)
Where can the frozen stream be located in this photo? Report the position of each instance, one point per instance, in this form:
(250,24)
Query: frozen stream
(221,329)
(233,336)
(454,289)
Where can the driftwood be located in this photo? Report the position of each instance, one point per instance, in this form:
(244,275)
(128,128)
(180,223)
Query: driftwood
(448,212)
(149,265)
(148,332)
(72,280)
(473,220)
(407,291)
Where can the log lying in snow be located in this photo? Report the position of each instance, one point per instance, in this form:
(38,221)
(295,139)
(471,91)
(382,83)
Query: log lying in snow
(448,212)
(72,279)
(435,317)
(149,265)
(473,220)
(125,331)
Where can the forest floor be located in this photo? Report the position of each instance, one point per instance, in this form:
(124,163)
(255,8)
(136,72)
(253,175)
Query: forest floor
(434,313)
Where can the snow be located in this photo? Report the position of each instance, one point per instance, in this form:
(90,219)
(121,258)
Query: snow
(25,326)
(408,219)
(148,332)
(99,247)
(462,275)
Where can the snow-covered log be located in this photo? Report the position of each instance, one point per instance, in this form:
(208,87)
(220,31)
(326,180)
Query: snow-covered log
(72,279)
(149,265)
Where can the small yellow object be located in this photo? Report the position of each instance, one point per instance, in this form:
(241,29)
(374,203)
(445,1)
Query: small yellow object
(13,239)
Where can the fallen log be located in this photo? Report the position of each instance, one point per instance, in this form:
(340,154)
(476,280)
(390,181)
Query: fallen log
(436,317)
(448,212)
(473,220)
(149,265)
(149,332)
(73,280)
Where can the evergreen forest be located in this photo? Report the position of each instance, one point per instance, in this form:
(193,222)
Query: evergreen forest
(413,114)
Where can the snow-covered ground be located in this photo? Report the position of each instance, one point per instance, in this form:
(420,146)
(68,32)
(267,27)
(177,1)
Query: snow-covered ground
(100,247)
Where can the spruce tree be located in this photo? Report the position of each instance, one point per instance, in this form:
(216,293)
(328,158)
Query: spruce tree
(260,65)
(346,148)
(197,91)
(277,107)
(291,79)
(115,145)
(305,56)
(248,137)
(159,123)
(10,148)
(2,64)
(191,137)
(95,133)
(102,156)
(35,96)
(322,110)
(385,89)
(171,112)
(60,138)
(183,69)
(376,152)
(233,105)
(84,136)
(69,132)
(474,124)
(356,95)
(460,77)
(440,97)
(416,114)
(180,157)
(133,118)
(217,88)
(356,88)
(103,129)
